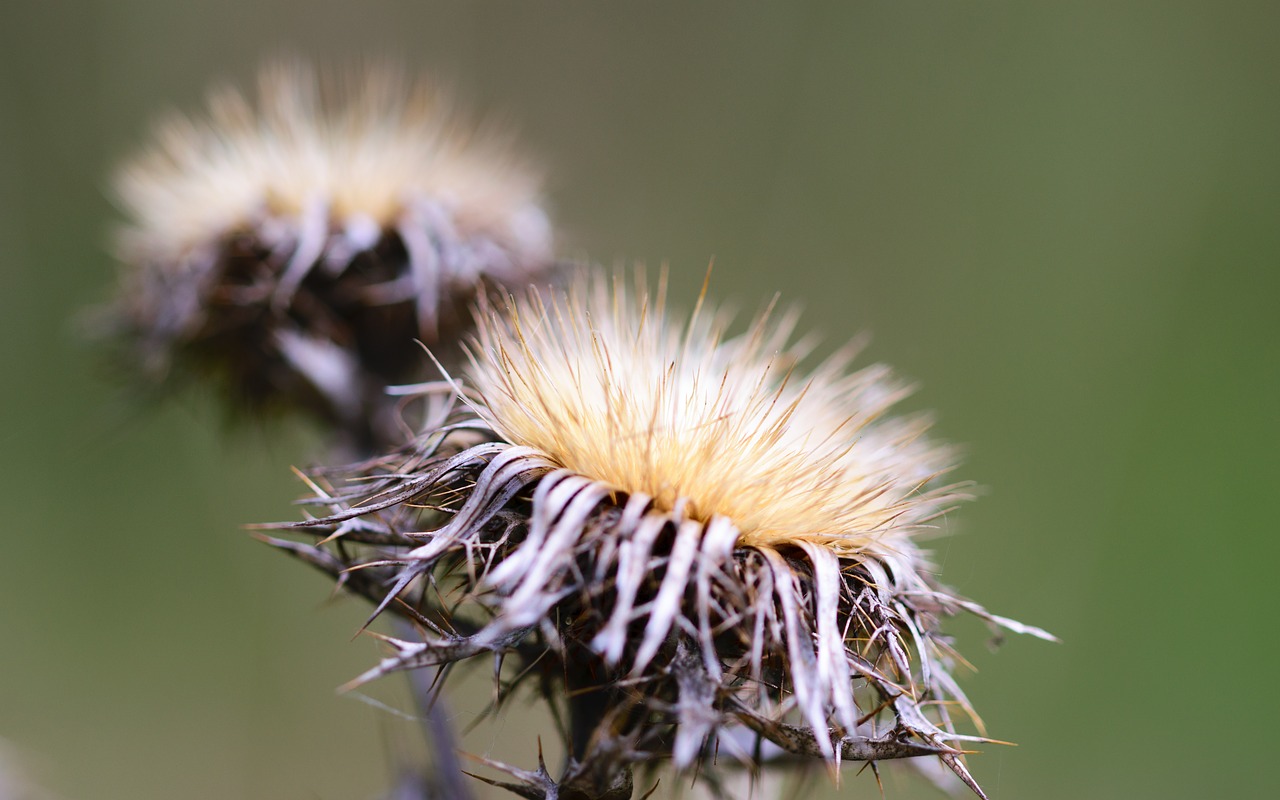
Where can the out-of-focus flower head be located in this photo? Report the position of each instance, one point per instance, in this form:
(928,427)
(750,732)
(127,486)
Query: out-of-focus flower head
(296,245)
(694,538)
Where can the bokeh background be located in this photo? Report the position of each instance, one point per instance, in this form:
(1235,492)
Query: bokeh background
(1062,219)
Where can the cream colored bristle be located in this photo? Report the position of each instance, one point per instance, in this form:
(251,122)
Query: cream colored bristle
(363,149)
(606,382)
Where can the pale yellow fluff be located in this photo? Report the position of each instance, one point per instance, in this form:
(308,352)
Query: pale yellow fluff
(360,149)
(607,383)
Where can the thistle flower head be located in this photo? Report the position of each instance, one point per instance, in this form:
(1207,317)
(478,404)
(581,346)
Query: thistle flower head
(299,244)
(694,535)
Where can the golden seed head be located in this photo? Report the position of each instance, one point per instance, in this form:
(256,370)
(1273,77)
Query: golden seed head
(608,383)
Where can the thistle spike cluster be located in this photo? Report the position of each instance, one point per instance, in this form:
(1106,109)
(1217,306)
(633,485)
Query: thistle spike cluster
(297,247)
(693,533)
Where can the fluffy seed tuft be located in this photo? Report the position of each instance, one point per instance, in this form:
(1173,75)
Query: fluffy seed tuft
(359,149)
(623,393)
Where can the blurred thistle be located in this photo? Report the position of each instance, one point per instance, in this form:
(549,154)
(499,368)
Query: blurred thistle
(16,778)
(678,535)
(295,248)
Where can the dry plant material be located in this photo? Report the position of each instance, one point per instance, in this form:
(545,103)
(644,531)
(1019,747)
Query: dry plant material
(296,247)
(676,533)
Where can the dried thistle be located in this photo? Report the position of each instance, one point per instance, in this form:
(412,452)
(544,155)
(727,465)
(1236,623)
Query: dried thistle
(675,531)
(297,246)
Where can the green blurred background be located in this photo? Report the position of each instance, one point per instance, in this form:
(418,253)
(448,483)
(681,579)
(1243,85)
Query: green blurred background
(1062,219)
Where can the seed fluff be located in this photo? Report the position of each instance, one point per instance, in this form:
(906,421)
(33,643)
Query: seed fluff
(694,538)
